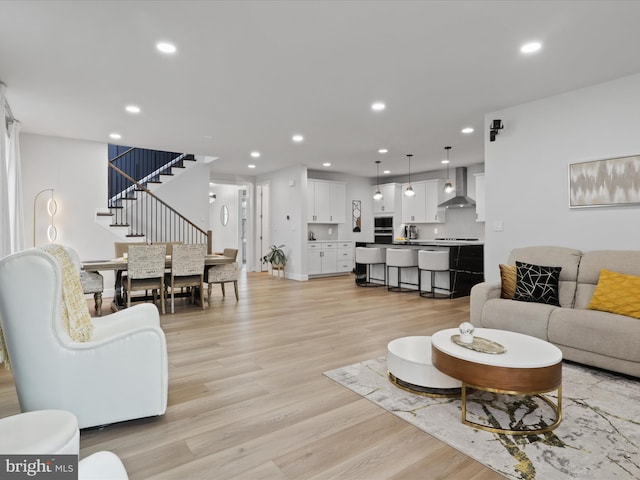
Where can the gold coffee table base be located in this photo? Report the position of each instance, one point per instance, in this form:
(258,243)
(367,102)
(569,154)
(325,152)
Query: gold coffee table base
(556,407)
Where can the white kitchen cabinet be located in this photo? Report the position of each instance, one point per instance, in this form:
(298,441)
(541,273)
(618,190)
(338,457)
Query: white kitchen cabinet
(387,204)
(326,202)
(337,202)
(414,208)
(434,190)
(345,257)
(423,206)
(329,258)
(480,198)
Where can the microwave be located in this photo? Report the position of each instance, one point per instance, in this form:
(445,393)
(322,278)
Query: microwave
(383,230)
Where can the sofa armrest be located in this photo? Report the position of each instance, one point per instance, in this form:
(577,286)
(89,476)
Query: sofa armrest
(480,293)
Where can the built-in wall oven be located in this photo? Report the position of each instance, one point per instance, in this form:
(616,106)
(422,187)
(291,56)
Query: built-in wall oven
(383,230)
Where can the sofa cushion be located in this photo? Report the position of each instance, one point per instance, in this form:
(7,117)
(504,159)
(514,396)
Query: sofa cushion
(617,293)
(508,281)
(567,258)
(621,261)
(537,283)
(604,333)
(528,318)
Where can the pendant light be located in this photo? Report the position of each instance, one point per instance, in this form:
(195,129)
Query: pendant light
(448,185)
(378,194)
(409,191)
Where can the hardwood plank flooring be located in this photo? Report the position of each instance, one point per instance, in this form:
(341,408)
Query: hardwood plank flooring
(247,398)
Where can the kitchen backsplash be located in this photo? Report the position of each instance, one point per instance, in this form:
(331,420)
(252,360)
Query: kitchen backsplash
(461,223)
(321,231)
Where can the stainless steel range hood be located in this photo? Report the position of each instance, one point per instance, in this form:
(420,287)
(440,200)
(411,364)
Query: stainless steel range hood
(460,200)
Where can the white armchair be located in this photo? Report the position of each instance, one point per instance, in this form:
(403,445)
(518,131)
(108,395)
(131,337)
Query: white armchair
(120,374)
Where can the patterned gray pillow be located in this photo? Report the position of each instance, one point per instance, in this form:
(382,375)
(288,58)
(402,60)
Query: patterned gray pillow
(536,283)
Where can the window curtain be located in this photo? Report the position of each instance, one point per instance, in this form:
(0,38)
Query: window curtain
(11,218)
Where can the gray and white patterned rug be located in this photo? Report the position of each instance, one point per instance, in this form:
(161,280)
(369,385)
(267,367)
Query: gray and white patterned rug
(599,437)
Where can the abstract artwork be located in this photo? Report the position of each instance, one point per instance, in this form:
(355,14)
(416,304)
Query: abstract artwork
(356,215)
(610,182)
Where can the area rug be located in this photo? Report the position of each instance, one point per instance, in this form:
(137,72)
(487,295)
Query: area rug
(599,437)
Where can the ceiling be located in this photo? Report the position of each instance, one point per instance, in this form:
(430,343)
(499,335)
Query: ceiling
(248,75)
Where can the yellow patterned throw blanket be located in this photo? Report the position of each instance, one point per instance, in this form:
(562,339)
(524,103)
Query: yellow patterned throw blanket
(73,309)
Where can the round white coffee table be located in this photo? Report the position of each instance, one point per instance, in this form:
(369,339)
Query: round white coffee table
(410,368)
(529,366)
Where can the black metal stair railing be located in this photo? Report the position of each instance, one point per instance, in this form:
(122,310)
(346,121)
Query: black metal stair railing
(132,205)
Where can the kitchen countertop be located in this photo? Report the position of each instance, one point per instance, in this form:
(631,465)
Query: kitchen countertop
(438,243)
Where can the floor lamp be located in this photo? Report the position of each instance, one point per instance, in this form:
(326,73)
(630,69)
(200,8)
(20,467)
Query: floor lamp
(52,208)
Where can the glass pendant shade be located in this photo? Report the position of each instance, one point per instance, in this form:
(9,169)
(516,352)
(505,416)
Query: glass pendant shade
(448,185)
(378,194)
(409,190)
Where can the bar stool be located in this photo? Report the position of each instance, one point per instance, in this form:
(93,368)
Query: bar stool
(401,258)
(434,261)
(372,256)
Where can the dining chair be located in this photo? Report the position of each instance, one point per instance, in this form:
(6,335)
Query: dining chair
(187,270)
(231,253)
(145,271)
(120,248)
(221,274)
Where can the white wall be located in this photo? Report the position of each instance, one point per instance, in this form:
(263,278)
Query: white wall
(77,170)
(225,236)
(287,212)
(188,193)
(527,171)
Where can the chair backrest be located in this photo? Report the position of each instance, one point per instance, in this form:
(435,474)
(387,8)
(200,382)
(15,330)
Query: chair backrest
(30,317)
(230,252)
(188,260)
(146,261)
(227,272)
(120,248)
(169,245)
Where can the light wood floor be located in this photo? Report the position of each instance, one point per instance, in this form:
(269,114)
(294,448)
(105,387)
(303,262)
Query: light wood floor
(247,398)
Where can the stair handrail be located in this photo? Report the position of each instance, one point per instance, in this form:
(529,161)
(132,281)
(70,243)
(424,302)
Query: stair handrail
(162,202)
(144,179)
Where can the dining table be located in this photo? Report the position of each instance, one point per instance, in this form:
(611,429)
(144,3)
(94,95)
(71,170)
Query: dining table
(119,266)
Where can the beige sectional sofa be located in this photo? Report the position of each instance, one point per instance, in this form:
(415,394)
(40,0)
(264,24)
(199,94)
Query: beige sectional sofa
(596,338)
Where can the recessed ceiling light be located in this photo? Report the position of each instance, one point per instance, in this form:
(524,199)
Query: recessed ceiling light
(326,164)
(115,136)
(378,106)
(531,47)
(444,161)
(132,109)
(467,130)
(383,150)
(251,165)
(387,172)
(297,138)
(255,154)
(166,47)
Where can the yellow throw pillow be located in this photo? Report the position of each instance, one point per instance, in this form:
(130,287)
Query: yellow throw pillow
(617,293)
(508,277)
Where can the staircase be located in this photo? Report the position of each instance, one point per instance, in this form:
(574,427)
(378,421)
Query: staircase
(134,212)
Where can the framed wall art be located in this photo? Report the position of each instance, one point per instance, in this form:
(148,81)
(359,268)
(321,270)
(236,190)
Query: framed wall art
(605,183)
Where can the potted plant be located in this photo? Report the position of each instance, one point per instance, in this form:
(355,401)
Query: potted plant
(275,257)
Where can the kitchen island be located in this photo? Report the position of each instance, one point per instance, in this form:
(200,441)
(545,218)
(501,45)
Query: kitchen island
(466,264)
